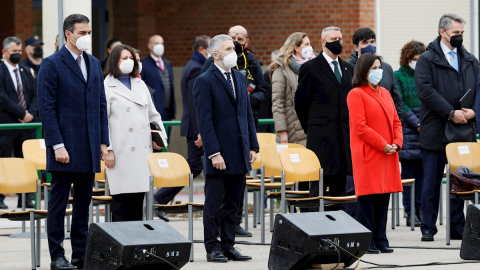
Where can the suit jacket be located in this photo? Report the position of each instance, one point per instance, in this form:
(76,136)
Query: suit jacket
(130,112)
(374,123)
(225,123)
(153,79)
(10,109)
(73,111)
(321,106)
(189,127)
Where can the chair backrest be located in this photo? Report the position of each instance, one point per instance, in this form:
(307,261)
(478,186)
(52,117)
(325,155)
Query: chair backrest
(463,154)
(169,169)
(266,138)
(300,165)
(271,158)
(101,174)
(35,151)
(17,175)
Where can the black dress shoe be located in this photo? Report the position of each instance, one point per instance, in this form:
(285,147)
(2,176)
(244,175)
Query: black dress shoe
(28,204)
(78,262)
(235,255)
(162,216)
(3,205)
(240,232)
(417,221)
(427,236)
(61,264)
(216,256)
(373,251)
(386,250)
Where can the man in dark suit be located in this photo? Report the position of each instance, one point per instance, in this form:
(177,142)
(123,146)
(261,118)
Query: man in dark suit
(18,104)
(321,106)
(189,128)
(73,110)
(226,125)
(157,73)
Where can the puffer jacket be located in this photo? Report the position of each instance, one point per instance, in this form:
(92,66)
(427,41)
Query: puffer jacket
(284,85)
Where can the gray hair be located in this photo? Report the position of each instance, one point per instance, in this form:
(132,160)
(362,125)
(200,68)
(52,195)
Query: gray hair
(446,21)
(330,28)
(9,40)
(216,42)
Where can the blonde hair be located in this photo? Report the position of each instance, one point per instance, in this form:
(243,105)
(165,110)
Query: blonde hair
(288,49)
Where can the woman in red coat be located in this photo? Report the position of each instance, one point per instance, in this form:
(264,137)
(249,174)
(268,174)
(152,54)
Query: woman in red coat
(375,139)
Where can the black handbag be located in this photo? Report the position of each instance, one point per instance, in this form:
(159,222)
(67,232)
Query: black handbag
(459,132)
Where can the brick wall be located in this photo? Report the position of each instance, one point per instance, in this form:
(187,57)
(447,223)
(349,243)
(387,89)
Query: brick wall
(269,22)
(16,19)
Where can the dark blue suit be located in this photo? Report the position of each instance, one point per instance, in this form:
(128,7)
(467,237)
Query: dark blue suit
(188,127)
(152,78)
(73,112)
(226,125)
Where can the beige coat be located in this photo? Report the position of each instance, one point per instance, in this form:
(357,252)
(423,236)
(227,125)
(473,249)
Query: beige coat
(284,85)
(129,115)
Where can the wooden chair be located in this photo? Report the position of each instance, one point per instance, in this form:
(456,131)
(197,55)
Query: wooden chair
(396,204)
(460,154)
(172,170)
(18,175)
(303,165)
(101,196)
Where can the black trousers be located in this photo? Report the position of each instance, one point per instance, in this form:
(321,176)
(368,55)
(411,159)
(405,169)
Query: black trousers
(194,159)
(222,200)
(333,185)
(82,196)
(11,142)
(433,166)
(372,213)
(127,207)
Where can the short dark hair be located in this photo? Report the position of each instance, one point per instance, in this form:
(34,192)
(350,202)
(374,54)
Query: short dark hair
(364,63)
(112,63)
(110,42)
(363,34)
(200,41)
(409,50)
(71,20)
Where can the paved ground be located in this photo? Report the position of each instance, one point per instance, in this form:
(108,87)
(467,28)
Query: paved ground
(409,250)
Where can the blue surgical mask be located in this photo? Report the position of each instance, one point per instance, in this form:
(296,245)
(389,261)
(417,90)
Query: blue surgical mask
(375,76)
(369,49)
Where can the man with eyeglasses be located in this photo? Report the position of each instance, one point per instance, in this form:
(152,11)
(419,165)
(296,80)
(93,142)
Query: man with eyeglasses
(251,68)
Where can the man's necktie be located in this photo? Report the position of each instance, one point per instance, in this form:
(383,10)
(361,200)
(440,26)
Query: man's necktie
(79,62)
(454,60)
(21,97)
(160,65)
(229,80)
(337,72)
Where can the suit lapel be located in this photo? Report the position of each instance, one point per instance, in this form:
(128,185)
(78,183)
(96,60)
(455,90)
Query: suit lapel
(120,89)
(71,63)
(89,64)
(343,69)
(327,70)
(8,79)
(222,80)
(377,97)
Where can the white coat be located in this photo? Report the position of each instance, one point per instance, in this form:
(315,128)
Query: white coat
(129,115)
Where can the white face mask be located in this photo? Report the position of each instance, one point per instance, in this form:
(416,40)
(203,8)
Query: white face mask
(307,52)
(83,43)
(230,60)
(126,66)
(412,64)
(140,67)
(375,76)
(159,49)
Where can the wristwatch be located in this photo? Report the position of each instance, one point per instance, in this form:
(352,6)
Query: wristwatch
(451,114)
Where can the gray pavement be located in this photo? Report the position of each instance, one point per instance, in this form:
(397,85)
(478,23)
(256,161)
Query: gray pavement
(15,252)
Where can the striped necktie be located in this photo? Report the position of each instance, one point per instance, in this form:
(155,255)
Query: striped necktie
(21,97)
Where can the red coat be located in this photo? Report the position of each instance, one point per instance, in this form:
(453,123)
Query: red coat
(374,124)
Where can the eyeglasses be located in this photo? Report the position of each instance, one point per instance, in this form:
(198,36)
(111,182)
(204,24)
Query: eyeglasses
(238,36)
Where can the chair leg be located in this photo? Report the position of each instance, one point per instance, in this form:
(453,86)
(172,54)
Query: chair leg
(90,213)
(447,207)
(261,208)
(245,208)
(97,214)
(32,240)
(440,207)
(282,203)
(412,208)
(38,236)
(397,205)
(107,213)
(190,229)
(476,197)
(393,211)
(272,209)
(255,204)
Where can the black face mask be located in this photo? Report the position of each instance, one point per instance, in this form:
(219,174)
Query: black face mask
(335,47)
(15,57)
(38,52)
(456,41)
(238,47)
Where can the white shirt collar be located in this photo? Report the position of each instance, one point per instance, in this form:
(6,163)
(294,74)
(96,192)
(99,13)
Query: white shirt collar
(329,59)
(155,58)
(74,55)
(445,49)
(222,70)
(9,66)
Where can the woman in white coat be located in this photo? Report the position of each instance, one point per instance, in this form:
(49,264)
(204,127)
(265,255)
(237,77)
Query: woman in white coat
(130,111)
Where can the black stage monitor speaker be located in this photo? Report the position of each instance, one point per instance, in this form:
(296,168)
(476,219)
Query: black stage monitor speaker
(120,245)
(298,240)
(471,234)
